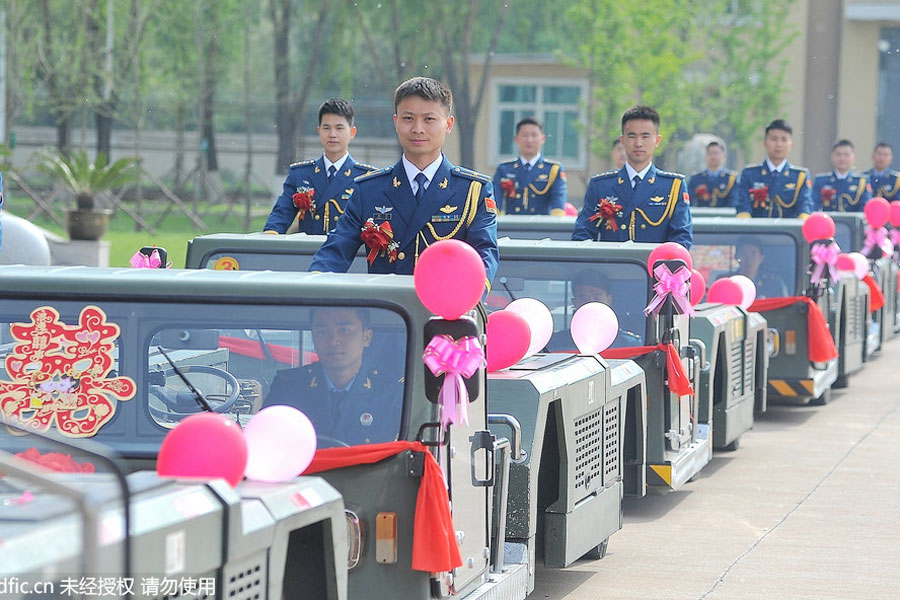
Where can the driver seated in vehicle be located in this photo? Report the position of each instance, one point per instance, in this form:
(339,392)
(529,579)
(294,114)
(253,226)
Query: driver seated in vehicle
(590,285)
(346,399)
(751,257)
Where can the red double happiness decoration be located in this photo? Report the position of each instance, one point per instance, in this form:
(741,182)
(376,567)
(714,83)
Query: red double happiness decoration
(380,240)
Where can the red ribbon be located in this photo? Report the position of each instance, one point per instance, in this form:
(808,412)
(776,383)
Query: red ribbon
(607,210)
(876,297)
(818,338)
(304,200)
(380,240)
(435,548)
(760,196)
(679,382)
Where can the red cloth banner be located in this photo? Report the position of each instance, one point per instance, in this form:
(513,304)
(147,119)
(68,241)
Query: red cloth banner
(253,349)
(679,382)
(876,299)
(434,539)
(819,340)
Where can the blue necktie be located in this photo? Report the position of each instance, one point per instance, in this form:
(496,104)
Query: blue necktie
(331,172)
(420,179)
(635,181)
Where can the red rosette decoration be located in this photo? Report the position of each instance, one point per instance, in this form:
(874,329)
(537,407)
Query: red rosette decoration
(380,240)
(509,187)
(702,192)
(607,211)
(760,196)
(305,201)
(828,195)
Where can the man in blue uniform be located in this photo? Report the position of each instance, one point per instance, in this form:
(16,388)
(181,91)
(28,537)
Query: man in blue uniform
(715,186)
(530,184)
(841,190)
(775,188)
(885,181)
(316,191)
(399,211)
(348,401)
(617,156)
(638,202)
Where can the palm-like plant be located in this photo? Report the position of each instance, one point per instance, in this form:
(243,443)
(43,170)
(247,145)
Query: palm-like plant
(84,178)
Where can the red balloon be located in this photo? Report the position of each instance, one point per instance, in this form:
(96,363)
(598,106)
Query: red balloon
(669,251)
(818,226)
(845,262)
(895,213)
(205,445)
(508,338)
(878,212)
(571,211)
(725,291)
(698,286)
(449,278)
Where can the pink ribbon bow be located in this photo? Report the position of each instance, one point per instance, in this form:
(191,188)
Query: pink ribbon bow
(824,256)
(142,261)
(895,237)
(667,284)
(456,360)
(877,238)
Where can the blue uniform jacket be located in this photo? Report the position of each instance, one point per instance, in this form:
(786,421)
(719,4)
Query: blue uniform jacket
(885,186)
(841,195)
(369,413)
(330,198)
(540,190)
(785,194)
(714,191)
(657,210)
(457,204)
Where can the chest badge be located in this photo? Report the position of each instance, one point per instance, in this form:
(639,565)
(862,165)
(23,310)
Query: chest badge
(542,176)
(448,209)
(366,419)
(656,199)
(443,184)
(790,186)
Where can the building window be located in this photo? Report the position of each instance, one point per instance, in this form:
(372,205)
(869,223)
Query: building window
(556,104)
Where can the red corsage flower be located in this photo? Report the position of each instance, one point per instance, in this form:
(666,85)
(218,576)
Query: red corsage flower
(305,201)
(509,187)
(702,192)
(760,196)
(607,211)
(380,240)
(828,195)
(56,461)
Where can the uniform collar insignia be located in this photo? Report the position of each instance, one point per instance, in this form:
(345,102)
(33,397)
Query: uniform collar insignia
(763,171)
(448,209)
(368,384)
(515,165)
(313,383)
(347,173)
(651,180)
(443,184)
(384,209)
(348,191)
(317,169)
(396,182)
(621,180)
(540,165)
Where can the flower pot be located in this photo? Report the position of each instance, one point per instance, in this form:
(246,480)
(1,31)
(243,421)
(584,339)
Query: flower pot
(87,224)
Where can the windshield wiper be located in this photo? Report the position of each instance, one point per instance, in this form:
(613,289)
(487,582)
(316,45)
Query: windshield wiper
(503,281)
(196,393)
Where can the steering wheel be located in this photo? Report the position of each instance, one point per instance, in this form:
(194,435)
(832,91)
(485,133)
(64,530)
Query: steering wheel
(326,441)
(220,403)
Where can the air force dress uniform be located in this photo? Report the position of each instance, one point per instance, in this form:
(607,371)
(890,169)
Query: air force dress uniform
(834,193)
(457,204)
(713,189)
(531,189)
(884,185)
(763,192)
(657,209)
(367,412)
(311,196)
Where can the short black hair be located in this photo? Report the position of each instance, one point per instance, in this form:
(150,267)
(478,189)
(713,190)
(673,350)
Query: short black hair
(337,106)
(716,143)
(643,113)
(842,143)
(751,240)
(884,145)
(780,125)
(425,88)
(363,314)
(592,278)
(529,121)
(616,142)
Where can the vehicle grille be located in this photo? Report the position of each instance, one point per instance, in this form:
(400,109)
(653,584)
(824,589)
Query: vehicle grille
(588,448)
(736,367)
(611,444)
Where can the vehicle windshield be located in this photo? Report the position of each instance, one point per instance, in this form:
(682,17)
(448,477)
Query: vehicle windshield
(565,286)
(225,260)
(843,236)
(769,259)
(343,367)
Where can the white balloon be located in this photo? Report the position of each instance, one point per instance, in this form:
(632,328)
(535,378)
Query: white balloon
(747,287)
(860,263)
(594,327)
(539,319)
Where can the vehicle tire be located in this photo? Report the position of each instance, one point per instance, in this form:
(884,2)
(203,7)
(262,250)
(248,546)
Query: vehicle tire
(840,382)
(734,445)
(599,551)
(822,400)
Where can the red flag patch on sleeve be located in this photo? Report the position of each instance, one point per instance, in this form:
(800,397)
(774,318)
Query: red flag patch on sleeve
(687,197)
(490,205)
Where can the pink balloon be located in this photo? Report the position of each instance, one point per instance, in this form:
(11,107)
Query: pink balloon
(594,327)
(878,212)
(669,251)
(698,286)
(281,442)
(508,338)
(571,211)
(449,278)
(845,262)
(748,290)
(861,264)
(725,291)
(818,226)
(895,213)
(205,445)
(539,320)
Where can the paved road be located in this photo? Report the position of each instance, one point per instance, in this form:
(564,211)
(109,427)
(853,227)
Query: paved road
(807,508)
